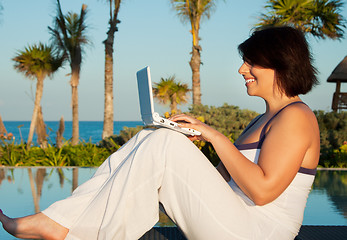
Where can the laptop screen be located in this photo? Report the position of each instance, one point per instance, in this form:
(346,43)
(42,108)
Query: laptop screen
(144,85)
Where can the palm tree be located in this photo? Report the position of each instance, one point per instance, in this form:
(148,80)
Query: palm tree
(321,18)
(36,61)
(168,91)
(108,105)
(69,37)
(193,11)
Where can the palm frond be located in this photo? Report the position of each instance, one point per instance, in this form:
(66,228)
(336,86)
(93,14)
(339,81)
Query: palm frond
(37,60)
(187,10)
(169,91)
(320,18)
(68,34)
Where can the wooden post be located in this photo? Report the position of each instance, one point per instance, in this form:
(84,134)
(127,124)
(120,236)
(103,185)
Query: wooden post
(336,97)
(2,127)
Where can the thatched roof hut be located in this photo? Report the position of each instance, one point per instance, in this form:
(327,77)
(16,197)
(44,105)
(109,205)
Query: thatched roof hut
(340,72)
(338,76)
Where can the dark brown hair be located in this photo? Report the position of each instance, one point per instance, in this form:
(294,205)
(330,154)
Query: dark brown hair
(285,50)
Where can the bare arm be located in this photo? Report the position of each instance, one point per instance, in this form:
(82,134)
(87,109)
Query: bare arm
(282,153)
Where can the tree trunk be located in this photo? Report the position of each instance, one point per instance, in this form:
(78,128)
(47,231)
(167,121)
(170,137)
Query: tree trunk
(195,66)
(173,104)
(74,102)
(3,130)
(60,132)
(41,130)
(38,96)
(195,61)
(108,105)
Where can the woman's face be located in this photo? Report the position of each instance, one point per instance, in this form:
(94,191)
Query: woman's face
(259,80)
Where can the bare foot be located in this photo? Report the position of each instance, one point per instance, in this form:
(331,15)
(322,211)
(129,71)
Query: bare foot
(37,226)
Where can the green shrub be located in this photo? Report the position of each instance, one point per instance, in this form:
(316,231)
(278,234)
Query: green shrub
(85,154)
(333,128)
(333,137)
(228,119)
(115,141)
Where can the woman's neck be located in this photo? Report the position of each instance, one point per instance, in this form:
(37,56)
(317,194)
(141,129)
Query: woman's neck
(274,105)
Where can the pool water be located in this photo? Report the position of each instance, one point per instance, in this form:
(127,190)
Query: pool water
(24,191)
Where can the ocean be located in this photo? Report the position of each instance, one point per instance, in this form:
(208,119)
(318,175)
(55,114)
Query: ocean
(89,131)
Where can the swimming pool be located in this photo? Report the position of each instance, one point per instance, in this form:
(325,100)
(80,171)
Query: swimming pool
(24,191)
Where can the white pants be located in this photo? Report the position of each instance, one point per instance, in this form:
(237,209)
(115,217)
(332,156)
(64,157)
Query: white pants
(121,201)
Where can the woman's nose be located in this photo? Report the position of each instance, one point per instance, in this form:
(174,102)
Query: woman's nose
(243,69)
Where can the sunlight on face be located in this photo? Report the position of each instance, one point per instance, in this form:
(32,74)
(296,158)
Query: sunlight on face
(259,81)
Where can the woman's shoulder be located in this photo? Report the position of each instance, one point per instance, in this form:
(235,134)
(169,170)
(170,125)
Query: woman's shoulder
(298,116)
(297,129)
(297,112)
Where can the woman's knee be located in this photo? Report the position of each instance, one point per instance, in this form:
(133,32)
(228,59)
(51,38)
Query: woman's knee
(166,133)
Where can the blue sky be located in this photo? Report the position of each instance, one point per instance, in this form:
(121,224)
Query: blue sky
(149,34)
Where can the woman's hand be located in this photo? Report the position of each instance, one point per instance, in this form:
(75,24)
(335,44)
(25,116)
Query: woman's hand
(186,121)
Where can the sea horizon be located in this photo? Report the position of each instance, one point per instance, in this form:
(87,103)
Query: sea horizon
(89,130)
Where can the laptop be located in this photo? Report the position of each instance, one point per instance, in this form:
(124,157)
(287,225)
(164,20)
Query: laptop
(148,115)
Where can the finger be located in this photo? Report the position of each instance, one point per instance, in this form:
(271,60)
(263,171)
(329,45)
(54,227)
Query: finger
(187,125)
(181,118)
(193,138)
(178,116)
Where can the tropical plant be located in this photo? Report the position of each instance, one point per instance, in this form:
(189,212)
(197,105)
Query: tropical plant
(109,41)
(83,154)
(194,11)
(54,157)
(172,92)
(332,128)
(7,156)
(333,138)
(69,37)
(228,119)
(36,61)
(321,18)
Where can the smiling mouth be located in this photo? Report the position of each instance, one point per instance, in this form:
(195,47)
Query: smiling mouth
(250,80)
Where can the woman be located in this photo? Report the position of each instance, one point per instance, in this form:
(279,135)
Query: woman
(260,188)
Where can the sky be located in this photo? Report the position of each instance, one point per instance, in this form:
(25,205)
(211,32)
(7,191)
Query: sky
(150,34)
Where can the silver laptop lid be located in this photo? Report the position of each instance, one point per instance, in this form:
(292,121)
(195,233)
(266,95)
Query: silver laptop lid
(144,86)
